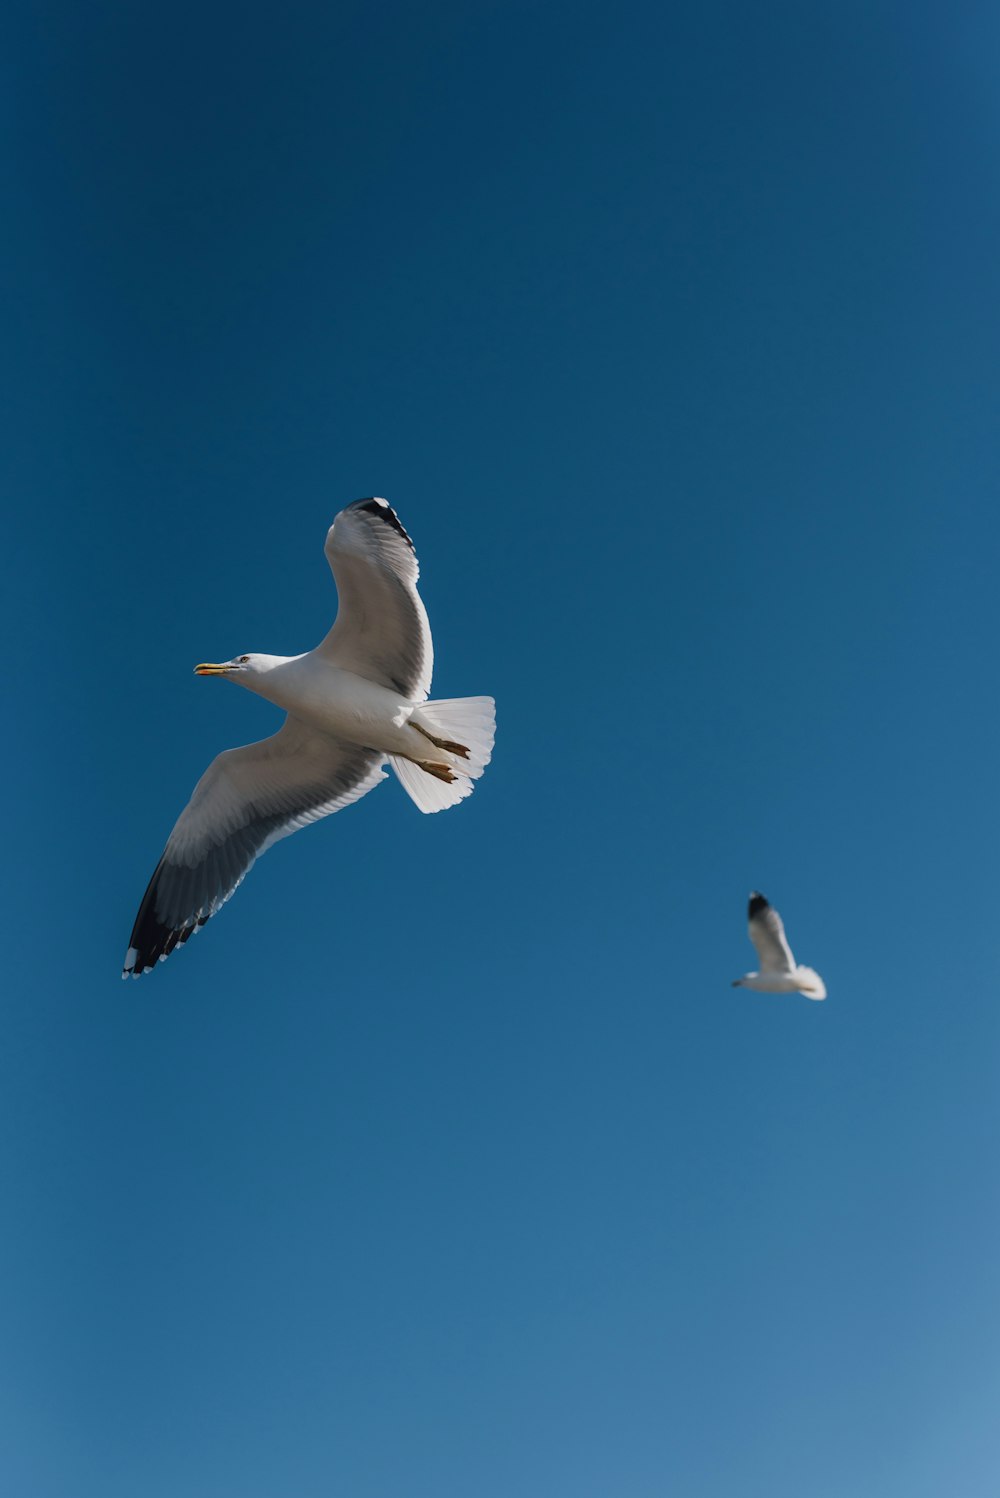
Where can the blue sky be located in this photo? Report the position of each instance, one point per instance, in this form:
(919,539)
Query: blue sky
(446,1161)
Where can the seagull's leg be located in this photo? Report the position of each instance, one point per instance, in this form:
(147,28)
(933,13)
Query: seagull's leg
(448,744)
(438,770)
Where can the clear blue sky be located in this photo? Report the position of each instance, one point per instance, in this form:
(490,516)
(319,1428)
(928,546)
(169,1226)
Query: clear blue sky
(446,1163)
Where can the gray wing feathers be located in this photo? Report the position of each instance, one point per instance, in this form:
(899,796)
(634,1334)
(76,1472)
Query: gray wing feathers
(767,932)
(381,631)
(246,800)
(249,798)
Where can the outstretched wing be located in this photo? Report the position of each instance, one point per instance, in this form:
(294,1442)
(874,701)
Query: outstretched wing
(246,800)
(381,631)
(767,932)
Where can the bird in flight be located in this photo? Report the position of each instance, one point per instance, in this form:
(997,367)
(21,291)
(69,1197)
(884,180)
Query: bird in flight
(779,972)
(357,700)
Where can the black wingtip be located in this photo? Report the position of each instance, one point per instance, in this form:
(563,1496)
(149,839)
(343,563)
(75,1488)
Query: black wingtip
(384,511)
(152,941)
(758,902)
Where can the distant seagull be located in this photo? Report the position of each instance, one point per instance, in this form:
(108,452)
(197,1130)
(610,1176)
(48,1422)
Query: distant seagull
(357,700)
(779,972)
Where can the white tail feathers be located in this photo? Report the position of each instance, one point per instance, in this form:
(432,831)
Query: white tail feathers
(429,793)
(469,721)
(810,983)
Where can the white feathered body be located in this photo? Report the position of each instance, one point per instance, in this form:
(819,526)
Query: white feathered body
(341,704)
(803,980)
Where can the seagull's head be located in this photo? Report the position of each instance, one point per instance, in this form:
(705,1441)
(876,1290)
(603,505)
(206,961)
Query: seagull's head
(250,671)
(240,667)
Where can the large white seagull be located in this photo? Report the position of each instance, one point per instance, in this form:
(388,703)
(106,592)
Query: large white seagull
(357,700)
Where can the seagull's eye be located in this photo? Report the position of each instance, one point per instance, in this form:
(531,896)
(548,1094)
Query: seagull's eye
(244,659)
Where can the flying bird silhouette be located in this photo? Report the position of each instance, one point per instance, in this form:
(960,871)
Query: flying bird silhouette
(779,972)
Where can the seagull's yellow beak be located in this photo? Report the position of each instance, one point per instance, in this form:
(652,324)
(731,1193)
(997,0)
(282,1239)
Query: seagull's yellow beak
(208,669)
